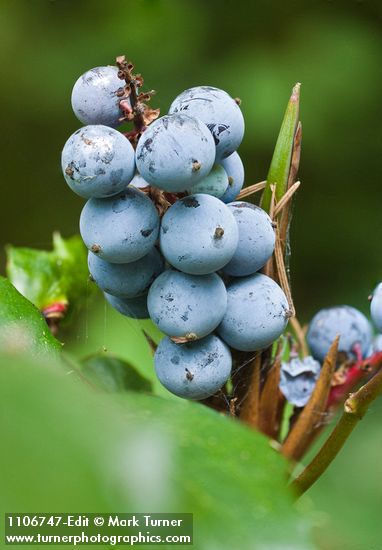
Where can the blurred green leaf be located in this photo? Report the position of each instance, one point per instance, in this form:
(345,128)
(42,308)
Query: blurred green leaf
(70,448)
(113,374)
(279,169)
(50,280)
(22,327)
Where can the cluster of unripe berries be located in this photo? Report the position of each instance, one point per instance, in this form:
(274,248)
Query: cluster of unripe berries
(194,271)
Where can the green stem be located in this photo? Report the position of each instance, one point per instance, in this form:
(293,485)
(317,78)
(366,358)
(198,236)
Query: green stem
(355,408)
(280,165)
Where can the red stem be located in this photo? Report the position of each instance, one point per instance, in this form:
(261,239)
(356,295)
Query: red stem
(354,375)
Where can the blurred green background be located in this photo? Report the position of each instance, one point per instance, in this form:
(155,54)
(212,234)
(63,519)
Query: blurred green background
(255,50)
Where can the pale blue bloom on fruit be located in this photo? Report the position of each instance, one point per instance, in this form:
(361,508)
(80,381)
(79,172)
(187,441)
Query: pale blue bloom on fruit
(257,313)
(235,170)
(256,239)
(219,111)
(120,229)
(134,308)
(346,321)
(198,234)
(187,306)
(97,161)
(194,370)
(215,183)
(95,99)
(376,307)
(126,280)
(175,152)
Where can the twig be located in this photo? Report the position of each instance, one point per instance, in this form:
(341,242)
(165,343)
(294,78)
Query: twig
(150,341)
(352,376)
(355,408)
(282,274)
(269,402)
(125,73)
(296,154)
(251,190)
(286,198)
(302,432)
(300,335)
(273,201)
(250,411)
(132,103)
(232,406)
(293,171)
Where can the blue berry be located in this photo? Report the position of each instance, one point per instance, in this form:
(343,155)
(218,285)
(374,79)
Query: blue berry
(134,308)
(257,313)
(120,229)
(198,234)
(218,111)
(194,370)
(348,322)
(376,307)
(97,161)
(256,239)
(175,152)
(377,345)
(215,183)
(94,97)
(235,171)
(126,280)
(298,378)
(187,306)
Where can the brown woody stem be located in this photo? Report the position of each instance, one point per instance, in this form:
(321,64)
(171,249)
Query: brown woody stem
(251,190)
(271,402)
(355,408)
(300,335)
(302,432)
(250,411)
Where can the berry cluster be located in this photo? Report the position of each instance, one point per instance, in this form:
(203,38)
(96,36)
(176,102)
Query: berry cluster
(166,238)
(358,349)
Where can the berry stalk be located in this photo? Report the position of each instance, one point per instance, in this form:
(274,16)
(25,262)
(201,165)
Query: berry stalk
(355,408)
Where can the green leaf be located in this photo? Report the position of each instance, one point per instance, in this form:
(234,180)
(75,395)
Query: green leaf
(22,327)
(50,280)
(114,375)
(70,448)
(280,164)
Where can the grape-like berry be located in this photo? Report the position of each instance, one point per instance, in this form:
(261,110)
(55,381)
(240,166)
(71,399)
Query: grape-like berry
(376,307)
(218,111)
(120,229)
(97,161)
(346,321)
(215,183)
(175,152)
(257,313)
(235,171)
(198,234)
(187,306)
(256,239)
(194,370)
(377,345)
(95,99)
(134,308)
(126,280)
